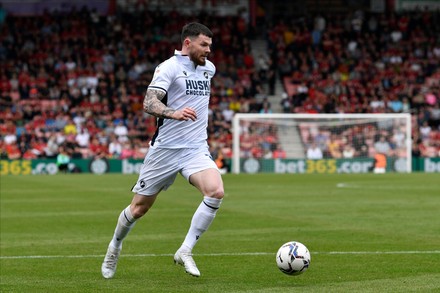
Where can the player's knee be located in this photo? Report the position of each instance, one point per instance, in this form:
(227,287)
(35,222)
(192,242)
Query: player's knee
(216,192)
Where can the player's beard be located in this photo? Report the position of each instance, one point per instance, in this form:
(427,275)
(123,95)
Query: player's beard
(198,59)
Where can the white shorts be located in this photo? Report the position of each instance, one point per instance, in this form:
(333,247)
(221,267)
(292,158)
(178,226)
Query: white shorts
(161,166)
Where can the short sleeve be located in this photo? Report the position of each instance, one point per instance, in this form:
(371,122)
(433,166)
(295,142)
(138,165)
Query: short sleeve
(163,76)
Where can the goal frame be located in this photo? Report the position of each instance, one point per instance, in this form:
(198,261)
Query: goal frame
(241,116)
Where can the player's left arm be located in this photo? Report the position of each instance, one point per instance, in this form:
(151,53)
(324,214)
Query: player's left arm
(153,105)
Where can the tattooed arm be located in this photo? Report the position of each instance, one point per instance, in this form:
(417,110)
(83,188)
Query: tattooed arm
(154,106)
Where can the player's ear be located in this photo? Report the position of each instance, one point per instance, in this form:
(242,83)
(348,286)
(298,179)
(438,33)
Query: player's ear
(186,42)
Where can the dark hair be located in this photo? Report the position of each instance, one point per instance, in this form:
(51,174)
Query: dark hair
(194,29)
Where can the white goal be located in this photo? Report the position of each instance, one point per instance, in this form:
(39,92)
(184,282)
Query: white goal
(320,143)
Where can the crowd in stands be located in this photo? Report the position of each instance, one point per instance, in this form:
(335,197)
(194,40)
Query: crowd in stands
(350,138)
(76,81)
(363,63)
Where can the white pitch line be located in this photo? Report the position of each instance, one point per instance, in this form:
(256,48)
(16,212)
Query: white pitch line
(220,254)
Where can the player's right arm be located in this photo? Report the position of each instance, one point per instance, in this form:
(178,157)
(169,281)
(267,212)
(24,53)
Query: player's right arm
(153,105)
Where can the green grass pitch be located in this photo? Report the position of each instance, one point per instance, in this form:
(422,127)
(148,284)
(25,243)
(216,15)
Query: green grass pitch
(366,233)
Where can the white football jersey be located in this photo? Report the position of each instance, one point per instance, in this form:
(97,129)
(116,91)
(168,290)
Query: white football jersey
(184,85)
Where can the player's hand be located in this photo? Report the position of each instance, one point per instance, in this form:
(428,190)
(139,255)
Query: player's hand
(185,114)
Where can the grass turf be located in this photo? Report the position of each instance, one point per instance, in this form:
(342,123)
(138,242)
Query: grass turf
(366,233)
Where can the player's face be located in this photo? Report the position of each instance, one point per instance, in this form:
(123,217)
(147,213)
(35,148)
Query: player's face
(199,49)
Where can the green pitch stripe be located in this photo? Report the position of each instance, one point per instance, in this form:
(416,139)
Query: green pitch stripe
(221,254)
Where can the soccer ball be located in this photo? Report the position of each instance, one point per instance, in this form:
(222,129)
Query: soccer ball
(293,258)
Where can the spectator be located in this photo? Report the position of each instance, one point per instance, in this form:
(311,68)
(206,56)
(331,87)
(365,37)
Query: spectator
(382,146)
(228,114)
(115,147)
(51,149)
(314,152)
(127,151)
(348,152)
(278,152)
(425,130)
(380,163)
(334,147)
(12,151)
(63,160)
(97,148)
(121,132)
(265,109)
(83,138)
(10,137)
(70,127)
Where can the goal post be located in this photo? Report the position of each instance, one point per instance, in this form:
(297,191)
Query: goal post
(321,143)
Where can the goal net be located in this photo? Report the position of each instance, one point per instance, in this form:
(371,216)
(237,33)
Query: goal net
(321,143)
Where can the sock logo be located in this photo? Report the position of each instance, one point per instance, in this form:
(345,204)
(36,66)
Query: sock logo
(197,237)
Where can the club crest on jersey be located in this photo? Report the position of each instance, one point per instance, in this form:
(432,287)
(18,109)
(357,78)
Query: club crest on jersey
(184,72)
(205,74)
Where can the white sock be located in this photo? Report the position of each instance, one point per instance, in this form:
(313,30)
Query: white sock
(125,223)
(201,221)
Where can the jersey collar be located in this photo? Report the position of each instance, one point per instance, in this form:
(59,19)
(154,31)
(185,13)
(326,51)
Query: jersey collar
(179,53)
(184,58)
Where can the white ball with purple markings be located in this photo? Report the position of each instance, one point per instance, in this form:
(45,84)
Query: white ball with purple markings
(293,258)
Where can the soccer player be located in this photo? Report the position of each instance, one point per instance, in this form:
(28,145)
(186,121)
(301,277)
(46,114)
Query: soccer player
(178,96)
